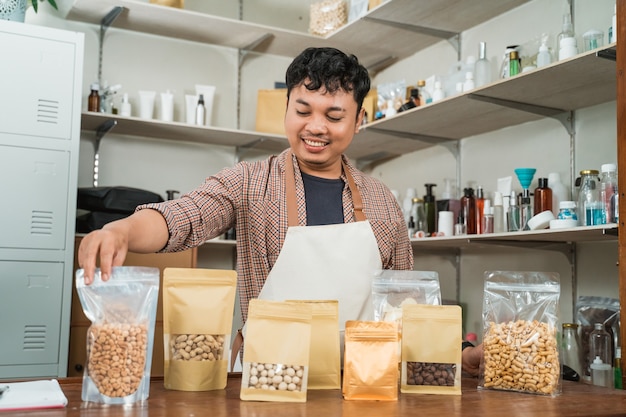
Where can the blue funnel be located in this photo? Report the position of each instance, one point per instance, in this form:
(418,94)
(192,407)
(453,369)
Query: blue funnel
(525,176)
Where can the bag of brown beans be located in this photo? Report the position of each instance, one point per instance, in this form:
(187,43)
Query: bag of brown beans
(276,355)
(120,339)
(325,354)
(431,349)
(370,369)
(520,317)
(198,306)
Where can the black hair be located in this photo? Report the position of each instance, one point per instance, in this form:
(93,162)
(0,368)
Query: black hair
(329,68)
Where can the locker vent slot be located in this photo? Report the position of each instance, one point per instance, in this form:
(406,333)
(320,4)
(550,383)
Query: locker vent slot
(48,111)
(34,337)
(41,222)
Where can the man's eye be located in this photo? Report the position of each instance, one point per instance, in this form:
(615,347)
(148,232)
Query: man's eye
(302,113)
(334,119)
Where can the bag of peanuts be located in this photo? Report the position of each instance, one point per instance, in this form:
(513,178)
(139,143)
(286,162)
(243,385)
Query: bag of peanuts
(120,338)
(370,369)
(325,354)
(276,354)
(431,349)
(198,307)
(520,316)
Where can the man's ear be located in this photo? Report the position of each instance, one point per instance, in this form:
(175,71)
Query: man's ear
(359,120)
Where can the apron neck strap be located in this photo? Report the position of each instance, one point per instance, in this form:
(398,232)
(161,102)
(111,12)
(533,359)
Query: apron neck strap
(292,204)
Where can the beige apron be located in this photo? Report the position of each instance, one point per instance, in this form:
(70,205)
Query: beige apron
(329,262)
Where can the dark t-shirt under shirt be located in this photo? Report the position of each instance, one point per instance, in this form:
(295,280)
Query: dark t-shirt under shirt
(323,200)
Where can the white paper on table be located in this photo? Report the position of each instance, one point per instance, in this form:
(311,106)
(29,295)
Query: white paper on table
(32,395)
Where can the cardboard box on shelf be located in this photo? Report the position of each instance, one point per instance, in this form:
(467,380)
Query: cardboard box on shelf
(270,111)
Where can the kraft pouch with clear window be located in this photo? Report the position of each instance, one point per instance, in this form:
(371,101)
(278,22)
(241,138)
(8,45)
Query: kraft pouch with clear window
(431,349)
(520,317)
(325,355)
(276,354)
(198,307)
(120,338)
(370,370)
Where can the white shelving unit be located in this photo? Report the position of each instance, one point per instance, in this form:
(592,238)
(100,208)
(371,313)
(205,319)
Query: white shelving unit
(554,91)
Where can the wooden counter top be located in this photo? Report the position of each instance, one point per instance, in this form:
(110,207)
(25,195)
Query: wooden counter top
(577,399)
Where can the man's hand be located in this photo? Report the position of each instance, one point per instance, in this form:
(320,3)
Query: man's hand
(471,358)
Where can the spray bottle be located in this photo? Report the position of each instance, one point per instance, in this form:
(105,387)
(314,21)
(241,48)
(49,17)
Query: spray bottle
(430,207)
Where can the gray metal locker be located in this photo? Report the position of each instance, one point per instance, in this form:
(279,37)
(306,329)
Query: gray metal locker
(40,110)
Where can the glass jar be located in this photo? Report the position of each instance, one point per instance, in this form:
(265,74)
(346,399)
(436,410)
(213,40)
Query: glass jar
(571,347)
(567,210)
(590,208)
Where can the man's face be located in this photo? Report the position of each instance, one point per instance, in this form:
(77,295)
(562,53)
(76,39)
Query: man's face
(320,127)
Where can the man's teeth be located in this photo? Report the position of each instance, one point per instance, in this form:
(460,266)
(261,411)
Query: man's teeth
(314,143)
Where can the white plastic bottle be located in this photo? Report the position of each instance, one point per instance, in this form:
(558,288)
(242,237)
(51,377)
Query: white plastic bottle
(482,67)
(125,108)
(543,57)
(566,40)
(438,93)
(559,191)
(608,192)
(468,85)
(613,37)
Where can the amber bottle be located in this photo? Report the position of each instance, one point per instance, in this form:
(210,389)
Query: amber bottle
(543,197)
(468,208)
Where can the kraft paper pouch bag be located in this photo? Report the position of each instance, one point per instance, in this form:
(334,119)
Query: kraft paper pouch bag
(431,349)
(325,356)
(370,370)
(120,338)
(198,307)
(520,317)
(276,353)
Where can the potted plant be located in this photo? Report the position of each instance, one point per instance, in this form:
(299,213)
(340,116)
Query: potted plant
(16,9)
(35,3)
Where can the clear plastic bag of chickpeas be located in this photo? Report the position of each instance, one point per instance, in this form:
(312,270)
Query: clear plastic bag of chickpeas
(122,311)
(520,317)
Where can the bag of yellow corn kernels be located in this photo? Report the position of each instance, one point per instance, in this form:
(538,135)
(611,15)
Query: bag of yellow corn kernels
(120,339)
(520,316)
(198,307)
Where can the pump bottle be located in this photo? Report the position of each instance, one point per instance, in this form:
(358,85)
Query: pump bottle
(488,219)
(125,109)
(513,215)
(430,207)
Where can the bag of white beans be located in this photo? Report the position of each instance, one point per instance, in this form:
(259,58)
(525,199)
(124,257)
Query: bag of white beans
(120,338)
(276,351)
(520,317)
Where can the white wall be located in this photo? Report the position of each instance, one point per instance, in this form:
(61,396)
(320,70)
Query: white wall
(138,61)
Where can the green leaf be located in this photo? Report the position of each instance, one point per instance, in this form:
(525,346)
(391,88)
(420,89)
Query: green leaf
(35,5)
(53,4)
